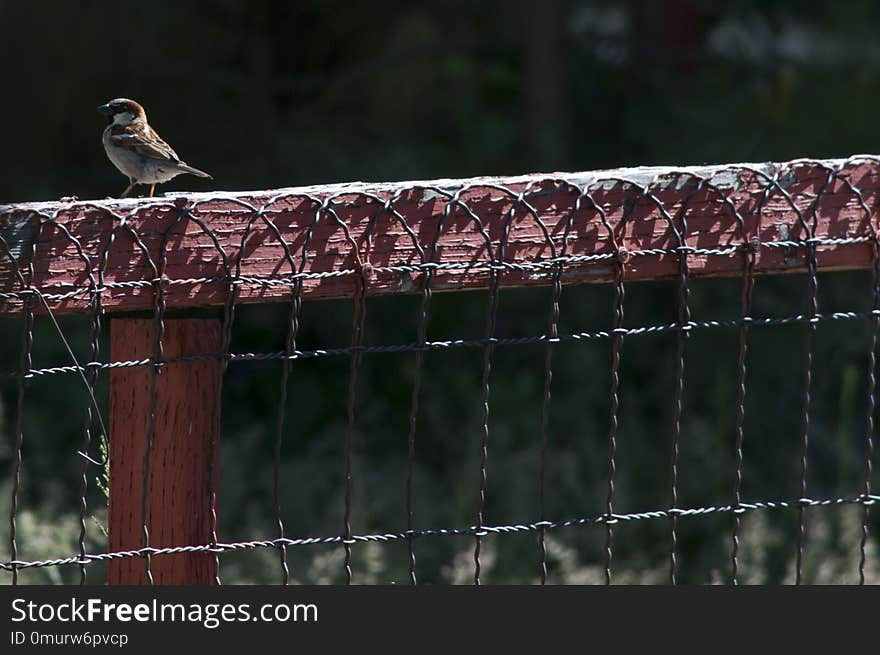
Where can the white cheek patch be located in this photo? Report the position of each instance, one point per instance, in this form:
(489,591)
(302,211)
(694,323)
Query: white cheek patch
(123,118)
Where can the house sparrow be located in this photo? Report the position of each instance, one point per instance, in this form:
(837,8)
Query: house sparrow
(135,148)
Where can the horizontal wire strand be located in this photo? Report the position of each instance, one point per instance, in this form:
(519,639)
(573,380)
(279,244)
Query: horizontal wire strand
(661,514)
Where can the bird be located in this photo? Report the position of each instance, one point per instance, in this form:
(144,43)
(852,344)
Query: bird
(136,150)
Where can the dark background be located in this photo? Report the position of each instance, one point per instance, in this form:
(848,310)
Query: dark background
(270,94)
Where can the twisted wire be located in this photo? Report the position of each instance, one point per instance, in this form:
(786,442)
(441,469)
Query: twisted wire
(680,233)
(415,392)
(86,444)
(748,286)
(25,362)
(653,329)
(810,231)
(616,344)
(27,340)
(871,402)
(488,350)
(545,265)
(470,531)
(552,336)
(286,363)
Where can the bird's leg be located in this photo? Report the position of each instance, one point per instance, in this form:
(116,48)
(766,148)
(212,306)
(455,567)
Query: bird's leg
(128,189)
(152,188)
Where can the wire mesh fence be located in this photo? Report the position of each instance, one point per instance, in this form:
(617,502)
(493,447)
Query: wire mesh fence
(160,261)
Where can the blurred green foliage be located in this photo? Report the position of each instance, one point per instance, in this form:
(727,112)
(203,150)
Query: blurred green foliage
(267,94)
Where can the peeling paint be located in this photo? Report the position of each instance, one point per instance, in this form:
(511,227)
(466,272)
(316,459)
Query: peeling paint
(406,283)
(786,180)
(17,231)
(728,179)
(592,272)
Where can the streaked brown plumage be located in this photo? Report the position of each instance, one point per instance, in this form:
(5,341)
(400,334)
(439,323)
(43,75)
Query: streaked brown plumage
(137,150)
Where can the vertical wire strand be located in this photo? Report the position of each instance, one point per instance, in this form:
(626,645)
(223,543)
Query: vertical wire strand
(229,304)
(616,345)
(415,392)
(357,328)
(676,431)
(276,475)
(91,381)
(871,401)
(750,250)
(156,361)
(225,345)
(684,317)
(805,414)
(358,323)
(519,201)
(422,336)
(421,331)
(259,214)
(552,339)
(155,370)
(25,363)
(88,380)
(88,375)
(871,373)
(158,311)
(621,257)
(276,481)
(27,340)
(552,336)
(289,348)
(680,234)
(488,351)
(813,304)
(413,418)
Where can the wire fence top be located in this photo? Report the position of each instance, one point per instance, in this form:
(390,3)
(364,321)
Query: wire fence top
(330,237)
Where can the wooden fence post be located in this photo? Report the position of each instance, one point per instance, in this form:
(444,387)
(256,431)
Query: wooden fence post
(178,499)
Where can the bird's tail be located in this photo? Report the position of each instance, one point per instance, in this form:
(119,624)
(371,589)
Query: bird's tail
(194,171)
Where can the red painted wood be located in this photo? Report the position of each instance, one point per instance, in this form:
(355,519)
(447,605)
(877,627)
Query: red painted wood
(178,499)
(191,253)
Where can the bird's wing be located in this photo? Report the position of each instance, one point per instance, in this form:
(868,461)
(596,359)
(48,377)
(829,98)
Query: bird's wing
(144,141)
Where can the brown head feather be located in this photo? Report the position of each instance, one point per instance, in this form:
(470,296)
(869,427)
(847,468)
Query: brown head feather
(124,104)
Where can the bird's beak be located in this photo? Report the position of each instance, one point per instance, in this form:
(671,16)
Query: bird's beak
(105,109)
